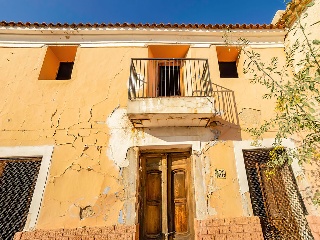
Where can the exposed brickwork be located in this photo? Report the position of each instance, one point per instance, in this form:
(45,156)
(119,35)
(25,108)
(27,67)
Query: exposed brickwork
(314,223)
(104,233)
(229,229)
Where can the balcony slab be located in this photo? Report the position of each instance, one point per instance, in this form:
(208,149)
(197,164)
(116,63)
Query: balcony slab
(171,111)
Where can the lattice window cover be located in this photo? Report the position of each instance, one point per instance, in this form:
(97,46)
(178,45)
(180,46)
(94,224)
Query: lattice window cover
(276,200)
(18,177)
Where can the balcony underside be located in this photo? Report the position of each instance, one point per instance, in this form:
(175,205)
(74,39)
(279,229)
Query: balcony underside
(171,111)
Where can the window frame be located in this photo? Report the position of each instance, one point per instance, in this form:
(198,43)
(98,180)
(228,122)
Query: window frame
(45,153)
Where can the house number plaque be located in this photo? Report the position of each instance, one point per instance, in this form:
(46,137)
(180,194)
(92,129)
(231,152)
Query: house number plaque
(220,173)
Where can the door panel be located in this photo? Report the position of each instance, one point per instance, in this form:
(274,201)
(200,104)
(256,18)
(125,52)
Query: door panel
(180,218)
(151,194)
(153,223)
(166,209)
(153,185)
(179,188)
(180,212)
(153,203)
(180,201)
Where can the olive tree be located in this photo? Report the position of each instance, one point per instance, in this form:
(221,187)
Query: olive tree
(294,86)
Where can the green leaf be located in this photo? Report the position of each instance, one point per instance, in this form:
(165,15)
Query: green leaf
(312,110)
(312,118)
(316,42)
(310,4)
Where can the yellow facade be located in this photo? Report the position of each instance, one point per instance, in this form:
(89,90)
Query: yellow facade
(93,178)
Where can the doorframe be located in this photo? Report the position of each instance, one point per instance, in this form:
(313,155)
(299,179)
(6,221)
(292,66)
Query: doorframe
(191,177)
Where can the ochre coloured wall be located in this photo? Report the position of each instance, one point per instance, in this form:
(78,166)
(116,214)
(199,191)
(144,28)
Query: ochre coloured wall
(85,188)
(223,194)
(71,115)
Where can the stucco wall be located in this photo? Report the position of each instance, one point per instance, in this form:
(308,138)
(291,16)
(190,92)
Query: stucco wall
(71,115)
(223,194)
(92,179)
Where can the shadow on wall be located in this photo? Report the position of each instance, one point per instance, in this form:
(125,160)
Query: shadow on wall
(226,119)
(224,124)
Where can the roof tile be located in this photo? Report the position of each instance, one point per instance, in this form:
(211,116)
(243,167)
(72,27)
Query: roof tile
(142,25)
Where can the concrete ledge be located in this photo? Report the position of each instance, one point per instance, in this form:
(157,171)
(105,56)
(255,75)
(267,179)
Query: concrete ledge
(171,111)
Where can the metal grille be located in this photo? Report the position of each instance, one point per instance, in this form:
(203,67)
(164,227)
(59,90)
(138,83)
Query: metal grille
(276,199)
(17,181)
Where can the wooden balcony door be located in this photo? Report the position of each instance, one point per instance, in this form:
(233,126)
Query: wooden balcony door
(165,196)
(169,79)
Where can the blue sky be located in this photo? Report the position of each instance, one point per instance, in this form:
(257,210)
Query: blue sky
(144,11)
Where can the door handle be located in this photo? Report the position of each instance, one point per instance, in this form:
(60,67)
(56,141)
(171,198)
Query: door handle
(168,234)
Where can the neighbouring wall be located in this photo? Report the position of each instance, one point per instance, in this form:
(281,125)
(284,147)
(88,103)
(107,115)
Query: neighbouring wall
(309,21)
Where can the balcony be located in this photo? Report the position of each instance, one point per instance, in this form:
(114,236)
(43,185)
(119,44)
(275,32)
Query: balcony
(170,92)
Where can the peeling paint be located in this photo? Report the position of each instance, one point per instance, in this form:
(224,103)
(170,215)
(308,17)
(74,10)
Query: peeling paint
(86,212)
(120,218)
(120,137)
(106,190)
(212,211)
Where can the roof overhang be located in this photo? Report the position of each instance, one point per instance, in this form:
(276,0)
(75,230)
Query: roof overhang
(136,35)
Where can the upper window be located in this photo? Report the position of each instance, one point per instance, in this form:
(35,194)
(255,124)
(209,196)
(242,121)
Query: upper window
(58,63)
(227,59)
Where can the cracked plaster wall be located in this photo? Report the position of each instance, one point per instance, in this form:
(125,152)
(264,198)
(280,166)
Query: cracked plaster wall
(213,197)
(91,180)
(88,183)
(84,187)
(222,195)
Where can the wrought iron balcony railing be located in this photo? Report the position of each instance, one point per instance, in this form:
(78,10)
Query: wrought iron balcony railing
(164,77)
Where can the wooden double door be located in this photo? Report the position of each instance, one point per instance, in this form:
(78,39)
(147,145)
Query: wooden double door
(166,206)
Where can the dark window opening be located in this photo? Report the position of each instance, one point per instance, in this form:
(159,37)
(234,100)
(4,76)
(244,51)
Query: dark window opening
(228,69)
(169,81)
(65,71)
